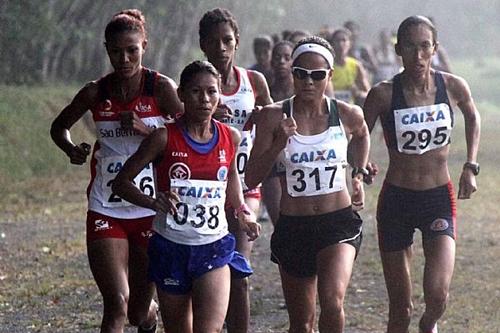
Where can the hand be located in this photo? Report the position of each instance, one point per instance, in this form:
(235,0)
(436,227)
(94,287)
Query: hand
(358,194)
(165,202)
(129,120)
(467,184)
(372,168)
(254,118)
(78,154)
(223,112)
(248,224)
(286,129)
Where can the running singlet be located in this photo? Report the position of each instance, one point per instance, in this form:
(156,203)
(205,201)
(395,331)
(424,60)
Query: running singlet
(114,145)
(242,103)
(344,78)
(419,129)
(197,173)
(315,164)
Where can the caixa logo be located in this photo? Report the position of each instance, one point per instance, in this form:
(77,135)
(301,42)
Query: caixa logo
(427,116)
(315,155)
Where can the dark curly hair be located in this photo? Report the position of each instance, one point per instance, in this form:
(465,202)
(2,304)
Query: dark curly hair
(212,18)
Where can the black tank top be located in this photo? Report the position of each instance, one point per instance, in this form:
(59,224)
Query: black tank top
(398,102)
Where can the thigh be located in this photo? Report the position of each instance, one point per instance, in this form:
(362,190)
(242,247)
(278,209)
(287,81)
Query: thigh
(271,195)
(397,274)
(300,297)
(439,263)
(210,297)
(108,259)
(141,289)
(176,312)
(334,264)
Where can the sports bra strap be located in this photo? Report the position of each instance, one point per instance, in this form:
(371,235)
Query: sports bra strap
(149,83)
(333,117)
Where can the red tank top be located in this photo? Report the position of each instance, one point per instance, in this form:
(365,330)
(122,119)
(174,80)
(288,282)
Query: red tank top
(182,161)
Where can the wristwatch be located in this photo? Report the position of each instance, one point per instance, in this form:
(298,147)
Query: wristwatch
(360,170)
(473,166)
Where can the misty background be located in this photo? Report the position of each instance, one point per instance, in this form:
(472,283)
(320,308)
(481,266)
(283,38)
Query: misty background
(62,40)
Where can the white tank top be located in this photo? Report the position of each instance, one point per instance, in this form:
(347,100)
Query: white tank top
(242,103)
(315,164)
(115,145)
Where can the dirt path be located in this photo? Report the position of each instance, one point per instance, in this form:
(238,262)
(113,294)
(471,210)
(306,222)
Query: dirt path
(46,285)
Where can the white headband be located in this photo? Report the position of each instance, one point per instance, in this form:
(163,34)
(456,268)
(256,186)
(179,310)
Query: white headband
(314,48)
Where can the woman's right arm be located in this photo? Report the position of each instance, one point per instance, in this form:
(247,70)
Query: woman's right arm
(272,132)
(59,131)
(151,149)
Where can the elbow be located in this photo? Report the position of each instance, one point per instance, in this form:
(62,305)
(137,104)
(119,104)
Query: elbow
(116,186)
(250,181)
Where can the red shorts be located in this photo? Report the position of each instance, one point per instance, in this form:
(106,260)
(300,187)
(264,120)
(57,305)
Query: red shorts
(253,193)
(137,231)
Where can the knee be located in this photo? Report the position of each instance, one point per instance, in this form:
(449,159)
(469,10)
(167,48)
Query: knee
(240,285)
(333,307)
(401,311)
(437,299)
(302,327)
(116,305)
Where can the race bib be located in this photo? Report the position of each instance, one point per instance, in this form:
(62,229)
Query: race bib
(423,128)
(110,166)
(201,206)
(315,180)
(316,168)
(242,156)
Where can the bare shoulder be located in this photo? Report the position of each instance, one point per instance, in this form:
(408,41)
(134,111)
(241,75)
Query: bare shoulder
(235,135)
(272,113)
(457,87)
(164,82)
(166,94)
(382,91)
(350,114)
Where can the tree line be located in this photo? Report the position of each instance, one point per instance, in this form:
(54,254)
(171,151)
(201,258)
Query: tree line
(62,40)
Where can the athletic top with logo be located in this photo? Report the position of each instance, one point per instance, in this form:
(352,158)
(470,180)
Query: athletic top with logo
(344,78)
(315,164)
(242,103)
(197,173)
(114,145)
(418,129)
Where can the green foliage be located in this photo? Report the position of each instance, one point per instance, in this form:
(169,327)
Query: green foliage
(26,149)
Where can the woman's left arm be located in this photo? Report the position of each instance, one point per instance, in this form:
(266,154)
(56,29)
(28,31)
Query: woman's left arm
(246,219)
(460,91)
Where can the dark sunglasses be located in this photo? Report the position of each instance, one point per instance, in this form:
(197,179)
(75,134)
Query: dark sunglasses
(315,74)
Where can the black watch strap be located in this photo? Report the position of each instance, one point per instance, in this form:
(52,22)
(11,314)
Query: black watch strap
(360,170)
(474,167)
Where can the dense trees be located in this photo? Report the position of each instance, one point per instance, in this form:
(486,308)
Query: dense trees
(62,40)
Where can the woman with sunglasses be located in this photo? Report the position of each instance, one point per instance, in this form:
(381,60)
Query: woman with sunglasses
(318,233)
(242,91)
(416,112)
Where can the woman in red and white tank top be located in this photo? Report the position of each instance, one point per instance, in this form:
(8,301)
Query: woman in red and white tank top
(126,105)
(242,91)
